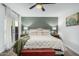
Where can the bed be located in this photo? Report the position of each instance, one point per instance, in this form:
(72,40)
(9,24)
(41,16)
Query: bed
(41,38)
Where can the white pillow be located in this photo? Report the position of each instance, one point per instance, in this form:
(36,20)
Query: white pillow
(39,31)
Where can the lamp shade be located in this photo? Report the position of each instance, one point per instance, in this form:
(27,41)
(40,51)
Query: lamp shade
(25,28)
(54,28)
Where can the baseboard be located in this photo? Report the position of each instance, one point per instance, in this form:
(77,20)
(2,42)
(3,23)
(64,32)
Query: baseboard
(72,51)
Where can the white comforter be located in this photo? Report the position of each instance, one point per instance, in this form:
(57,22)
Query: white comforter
(44,42)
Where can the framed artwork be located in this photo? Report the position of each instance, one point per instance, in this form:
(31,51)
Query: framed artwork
(72,19)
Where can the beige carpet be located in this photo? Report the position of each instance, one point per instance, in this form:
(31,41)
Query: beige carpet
(69,52)
(8,53)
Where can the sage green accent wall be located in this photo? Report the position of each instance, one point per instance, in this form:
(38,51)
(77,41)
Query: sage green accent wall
(40,22)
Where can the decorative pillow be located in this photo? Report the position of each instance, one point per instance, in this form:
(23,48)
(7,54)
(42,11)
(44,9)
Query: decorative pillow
(32,30)
(39,31)
(45,33)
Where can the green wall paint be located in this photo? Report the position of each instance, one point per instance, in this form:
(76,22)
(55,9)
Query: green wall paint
(40,22)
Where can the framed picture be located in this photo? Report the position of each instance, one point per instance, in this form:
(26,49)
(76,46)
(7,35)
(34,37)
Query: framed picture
(72,20)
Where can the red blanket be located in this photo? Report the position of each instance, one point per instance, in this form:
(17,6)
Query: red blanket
(38,52)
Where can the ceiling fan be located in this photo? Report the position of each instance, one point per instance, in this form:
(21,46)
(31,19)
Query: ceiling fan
(40,6)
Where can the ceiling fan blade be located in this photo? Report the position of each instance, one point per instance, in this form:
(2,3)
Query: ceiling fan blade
(43,9)
(32,6)
(48,3)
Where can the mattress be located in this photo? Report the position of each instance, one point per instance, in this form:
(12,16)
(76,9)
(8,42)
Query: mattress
(44,42)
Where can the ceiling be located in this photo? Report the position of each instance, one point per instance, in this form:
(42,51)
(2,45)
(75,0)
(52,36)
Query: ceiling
(53,10)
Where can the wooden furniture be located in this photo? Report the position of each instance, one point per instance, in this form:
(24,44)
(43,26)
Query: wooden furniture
(38,52)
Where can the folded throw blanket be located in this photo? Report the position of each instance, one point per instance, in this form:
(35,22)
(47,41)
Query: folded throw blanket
(20,43)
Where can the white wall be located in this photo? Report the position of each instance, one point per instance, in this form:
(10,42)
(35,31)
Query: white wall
(2,18)
(7,19)
(9,34)
(70,35)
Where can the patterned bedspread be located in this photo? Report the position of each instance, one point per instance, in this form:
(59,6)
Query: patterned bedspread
(44,42)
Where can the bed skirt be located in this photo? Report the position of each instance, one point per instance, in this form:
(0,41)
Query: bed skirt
(38,52)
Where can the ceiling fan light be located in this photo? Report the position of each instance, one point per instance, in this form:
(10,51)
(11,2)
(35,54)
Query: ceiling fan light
(39,6)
